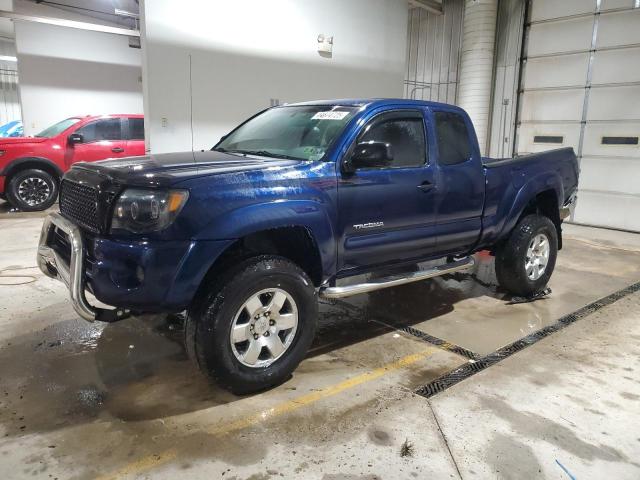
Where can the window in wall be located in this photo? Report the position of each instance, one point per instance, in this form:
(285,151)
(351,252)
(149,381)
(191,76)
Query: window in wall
(107,129)
(559,139)
(453,138)
(404,132)
(619,140)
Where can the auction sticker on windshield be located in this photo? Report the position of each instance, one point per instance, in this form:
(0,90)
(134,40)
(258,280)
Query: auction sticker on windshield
(331,115)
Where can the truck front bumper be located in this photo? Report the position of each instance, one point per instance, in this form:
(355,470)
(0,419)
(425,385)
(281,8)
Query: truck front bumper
(141,275)
(70,272)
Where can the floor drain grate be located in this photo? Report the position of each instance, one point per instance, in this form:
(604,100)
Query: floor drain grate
(455,376)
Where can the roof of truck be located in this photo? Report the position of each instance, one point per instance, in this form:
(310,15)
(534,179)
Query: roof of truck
(372,102)
(108,115)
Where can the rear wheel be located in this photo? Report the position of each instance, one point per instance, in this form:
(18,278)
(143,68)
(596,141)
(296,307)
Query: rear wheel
(32,190)
(253,325)
(525,262)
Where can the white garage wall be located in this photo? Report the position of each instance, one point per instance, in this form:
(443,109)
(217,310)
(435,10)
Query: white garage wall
(212,64)
(9,98)
(65,72)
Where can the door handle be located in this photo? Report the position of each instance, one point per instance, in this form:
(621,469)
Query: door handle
(117,150)
(426,186)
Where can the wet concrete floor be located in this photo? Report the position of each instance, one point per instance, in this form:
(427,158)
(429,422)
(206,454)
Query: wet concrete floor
(80,400)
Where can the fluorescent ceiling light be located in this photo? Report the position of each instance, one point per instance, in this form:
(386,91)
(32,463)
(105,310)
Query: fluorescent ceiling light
(5,58)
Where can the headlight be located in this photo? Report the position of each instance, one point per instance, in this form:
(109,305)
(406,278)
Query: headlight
(143,211)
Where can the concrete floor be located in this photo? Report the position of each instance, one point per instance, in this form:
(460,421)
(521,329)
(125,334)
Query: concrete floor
(81,400)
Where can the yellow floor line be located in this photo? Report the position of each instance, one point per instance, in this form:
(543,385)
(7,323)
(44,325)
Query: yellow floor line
(152,461)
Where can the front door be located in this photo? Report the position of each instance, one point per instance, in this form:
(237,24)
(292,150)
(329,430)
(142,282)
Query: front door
(386,215)
(101,139)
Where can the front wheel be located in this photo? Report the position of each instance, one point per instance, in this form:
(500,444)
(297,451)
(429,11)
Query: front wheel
(252,326)
(525,262)
(32,190)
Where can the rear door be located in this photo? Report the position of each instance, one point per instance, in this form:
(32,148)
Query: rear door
(103,138)
(461,181)
(135,137)
(386,215)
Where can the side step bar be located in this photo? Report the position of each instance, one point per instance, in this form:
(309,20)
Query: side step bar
(394,281)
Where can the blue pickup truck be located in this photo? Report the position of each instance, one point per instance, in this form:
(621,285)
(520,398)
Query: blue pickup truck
(297,202)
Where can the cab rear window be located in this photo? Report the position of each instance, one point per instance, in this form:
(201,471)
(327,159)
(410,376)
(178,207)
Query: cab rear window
(453,138)
(136,129)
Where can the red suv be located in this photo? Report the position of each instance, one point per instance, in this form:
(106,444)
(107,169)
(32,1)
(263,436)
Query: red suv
(31,168)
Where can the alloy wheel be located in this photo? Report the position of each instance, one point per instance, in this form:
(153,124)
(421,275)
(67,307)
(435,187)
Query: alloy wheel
(34,191)
(537,256)
(264,327)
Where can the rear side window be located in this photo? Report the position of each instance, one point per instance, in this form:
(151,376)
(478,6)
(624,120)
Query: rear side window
(136,129)
(453,138)
(405,134)
(107,129)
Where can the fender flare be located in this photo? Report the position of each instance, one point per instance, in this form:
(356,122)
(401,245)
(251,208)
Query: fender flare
(532,188)
(255,218)
(14,165)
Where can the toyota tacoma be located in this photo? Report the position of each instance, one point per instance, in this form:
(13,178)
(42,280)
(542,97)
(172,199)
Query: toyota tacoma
(296,203)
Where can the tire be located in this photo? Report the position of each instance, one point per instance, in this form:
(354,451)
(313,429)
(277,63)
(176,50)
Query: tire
(516,267)
(32,190)
(222,304)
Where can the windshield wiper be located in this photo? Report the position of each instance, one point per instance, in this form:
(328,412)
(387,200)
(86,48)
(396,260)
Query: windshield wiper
(264,153)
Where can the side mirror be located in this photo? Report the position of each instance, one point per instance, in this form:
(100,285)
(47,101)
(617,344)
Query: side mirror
(75,138)
(370,155)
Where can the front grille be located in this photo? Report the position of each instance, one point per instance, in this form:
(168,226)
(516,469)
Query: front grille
(80,203)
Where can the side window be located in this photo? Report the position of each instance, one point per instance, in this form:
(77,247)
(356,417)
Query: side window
(453,138)
(107,129)
(404,132)
(136,129)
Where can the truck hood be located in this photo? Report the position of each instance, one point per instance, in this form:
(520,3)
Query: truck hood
(21,140)
(170,168)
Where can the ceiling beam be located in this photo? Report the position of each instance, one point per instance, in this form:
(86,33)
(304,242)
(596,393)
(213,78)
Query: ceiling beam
(432,6)
(60,22)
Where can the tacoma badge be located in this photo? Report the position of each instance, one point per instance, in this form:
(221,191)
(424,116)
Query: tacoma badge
(361,226)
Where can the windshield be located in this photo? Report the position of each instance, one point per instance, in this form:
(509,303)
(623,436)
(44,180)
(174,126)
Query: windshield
(296,132)
(58,128)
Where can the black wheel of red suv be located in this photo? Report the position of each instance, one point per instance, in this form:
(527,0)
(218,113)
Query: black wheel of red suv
(32,190)
(252,326)
(525,262)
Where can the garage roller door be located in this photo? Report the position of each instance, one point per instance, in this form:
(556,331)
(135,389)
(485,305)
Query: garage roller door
(580,87)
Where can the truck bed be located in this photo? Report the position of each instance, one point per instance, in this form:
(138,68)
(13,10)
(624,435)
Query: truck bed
(489,162)
(508,181)
(561,159)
